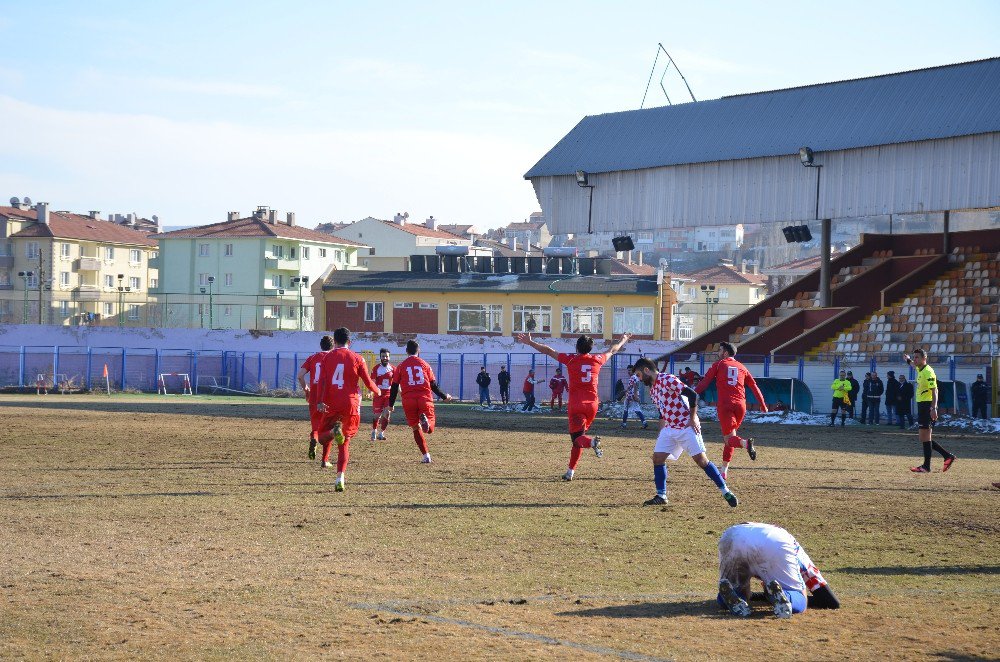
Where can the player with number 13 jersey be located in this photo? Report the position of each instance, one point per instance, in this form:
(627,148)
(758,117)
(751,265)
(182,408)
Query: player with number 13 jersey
(414,378)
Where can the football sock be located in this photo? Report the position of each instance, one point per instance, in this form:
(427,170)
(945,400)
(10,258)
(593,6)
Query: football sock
(340,476)
(713,472)
(326,450)
(343,454)
(641,416)
(574,456)
(945,454)
(418,436)
(660,479)
(725,468)
(927,455)
(427,456)
(625,415)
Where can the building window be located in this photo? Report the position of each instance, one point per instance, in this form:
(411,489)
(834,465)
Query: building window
(154,254)
(154,282)
(109,309)
(428,306)
(532,319)
(723,292)
(64,278)
(403,304)
(202,250)
(352,304)
(31,250)
(227,311)
(32,281)
(277,280)
(203,280)
(276,311)
(582,319)
(64,250)
(135,256)
(277,251)
(305,252)
(633,320)
(322,252)
(338,256)
(109,280)
(133,311)
(109,253)
(5,278)
(64,308)
(228,250)
(228,280)
(291,312)
(645,237)
(373,311)
(135,283)
(474,318)
(685,332)
(291,253)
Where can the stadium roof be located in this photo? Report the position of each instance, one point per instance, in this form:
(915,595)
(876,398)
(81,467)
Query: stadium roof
(475,282)
(940,102)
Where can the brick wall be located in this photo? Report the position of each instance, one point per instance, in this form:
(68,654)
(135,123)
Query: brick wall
(414,320)
(339,314)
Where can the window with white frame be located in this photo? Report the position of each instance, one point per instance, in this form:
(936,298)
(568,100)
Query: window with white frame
(203,250)
(291,253)
(31,250)
(64,308)
(291,312)
(109,309)
(305,252)
(474,318)
(277,250)
(276,311)
(228,280)
(109,253)
(532,319)
(154,282)
(109,280)
(154,254)
(403,304)
(635,320)
(228,250)
(227,311)
(203,280)
(428,306)
(338,255)
(5,278)
(65,250)
(373,311)
(351,304)
(723,292)
(645,237)
(64,278)
(277,280)
(135,256)
(135,283)
(685,332)
(322,252)
(582,319)
(33,280)
(133,311)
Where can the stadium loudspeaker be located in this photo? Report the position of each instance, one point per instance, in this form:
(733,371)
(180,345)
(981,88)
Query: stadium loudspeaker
(623,243)
(789,233)
(797,233)
(805,234)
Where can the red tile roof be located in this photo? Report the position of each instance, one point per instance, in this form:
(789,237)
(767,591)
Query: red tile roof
(421,230)
(621,267)
(256,227)
(725,275)
(529,225)
(63,225)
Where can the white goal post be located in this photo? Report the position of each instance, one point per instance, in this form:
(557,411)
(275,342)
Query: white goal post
(172,379)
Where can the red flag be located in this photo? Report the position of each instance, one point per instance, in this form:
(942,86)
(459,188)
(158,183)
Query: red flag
(105,370)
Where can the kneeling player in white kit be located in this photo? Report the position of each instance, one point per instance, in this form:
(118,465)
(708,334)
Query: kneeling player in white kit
(773,556)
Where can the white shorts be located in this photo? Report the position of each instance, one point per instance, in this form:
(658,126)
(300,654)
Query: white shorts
(674,442)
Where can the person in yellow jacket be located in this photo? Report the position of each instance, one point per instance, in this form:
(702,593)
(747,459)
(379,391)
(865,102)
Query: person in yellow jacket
(927,411)
(841,387)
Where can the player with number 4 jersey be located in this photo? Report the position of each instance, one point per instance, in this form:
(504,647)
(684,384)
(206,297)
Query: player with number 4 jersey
(382,376)
(730,376)
(341,372)
(583,370)
(414,378)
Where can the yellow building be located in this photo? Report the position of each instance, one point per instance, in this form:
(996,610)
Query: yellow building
(711,296)
(497,304)
(70,269)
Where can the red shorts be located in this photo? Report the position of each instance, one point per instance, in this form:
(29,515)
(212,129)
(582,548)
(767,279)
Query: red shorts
(350,420)
(731,417)
(413,409)
(380,403)
(581,415)
(315,417)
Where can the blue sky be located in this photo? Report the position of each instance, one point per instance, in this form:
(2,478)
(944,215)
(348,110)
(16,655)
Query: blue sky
(340,110)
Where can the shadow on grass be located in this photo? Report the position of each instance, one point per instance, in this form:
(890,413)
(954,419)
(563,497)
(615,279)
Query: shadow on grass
(892,570)
(955,656)
(703,608)
(137,495)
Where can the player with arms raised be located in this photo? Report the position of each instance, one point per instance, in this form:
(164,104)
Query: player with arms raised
(340,400)
(583,370)
(381,375)
(415,380)
(310,369)
(730,376)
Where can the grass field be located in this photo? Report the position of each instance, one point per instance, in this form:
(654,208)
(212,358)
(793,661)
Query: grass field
(173,527)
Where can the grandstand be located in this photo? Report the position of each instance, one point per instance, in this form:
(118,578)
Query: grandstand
(889,293)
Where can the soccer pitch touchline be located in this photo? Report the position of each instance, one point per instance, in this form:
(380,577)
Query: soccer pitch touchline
(515,634)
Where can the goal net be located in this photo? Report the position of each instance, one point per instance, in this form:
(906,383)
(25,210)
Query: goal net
(179,382)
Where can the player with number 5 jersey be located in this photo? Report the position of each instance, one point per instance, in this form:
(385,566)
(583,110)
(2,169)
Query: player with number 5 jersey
(414,378)
(583,370)
(730,376)
(341,372)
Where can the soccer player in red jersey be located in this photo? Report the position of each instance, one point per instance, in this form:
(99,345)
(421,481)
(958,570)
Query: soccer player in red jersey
(310,368)
(558,385)
(583,369)
(381,375)
(415,380)
(340,399)
(729,376)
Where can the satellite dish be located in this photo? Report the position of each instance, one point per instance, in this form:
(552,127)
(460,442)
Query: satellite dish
(27,200)
(15,201)
(664,264)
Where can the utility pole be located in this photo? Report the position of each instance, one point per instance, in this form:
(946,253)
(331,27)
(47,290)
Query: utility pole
(41,281)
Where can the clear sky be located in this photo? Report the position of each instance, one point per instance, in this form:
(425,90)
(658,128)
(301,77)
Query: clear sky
(340,110)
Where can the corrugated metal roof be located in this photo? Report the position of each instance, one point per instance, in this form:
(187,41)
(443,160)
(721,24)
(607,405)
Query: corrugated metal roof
(941,102)
(375,281)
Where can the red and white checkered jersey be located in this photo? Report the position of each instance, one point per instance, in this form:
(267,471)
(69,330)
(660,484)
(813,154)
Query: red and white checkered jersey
(382,375)
(666,394)
(632,390)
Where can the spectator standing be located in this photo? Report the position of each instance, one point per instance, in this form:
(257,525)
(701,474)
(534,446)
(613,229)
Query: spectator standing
(558,386)
(866,388)
(980,397)
(503,380)
(904,401)
(875,391)
(891,396)
(853,393)
(484,380)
